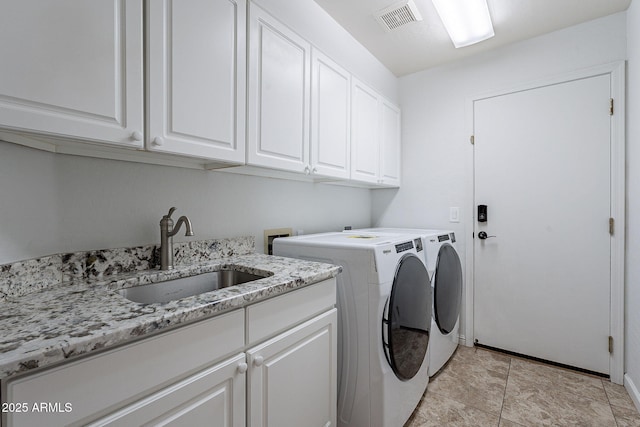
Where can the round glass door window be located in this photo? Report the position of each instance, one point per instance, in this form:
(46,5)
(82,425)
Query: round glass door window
(407,321)
(447,289)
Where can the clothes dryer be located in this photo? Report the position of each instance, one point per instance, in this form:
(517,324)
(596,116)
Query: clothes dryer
(445,270)
(384,321)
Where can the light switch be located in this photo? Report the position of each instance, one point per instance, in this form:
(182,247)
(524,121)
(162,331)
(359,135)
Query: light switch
(454,214)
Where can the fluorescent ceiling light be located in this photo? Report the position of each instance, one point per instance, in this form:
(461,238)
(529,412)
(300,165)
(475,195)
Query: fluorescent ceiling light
(466,21)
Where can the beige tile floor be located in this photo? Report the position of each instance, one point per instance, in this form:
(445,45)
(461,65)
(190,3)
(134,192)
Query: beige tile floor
(484,388)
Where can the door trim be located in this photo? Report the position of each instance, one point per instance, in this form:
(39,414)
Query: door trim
(617,73)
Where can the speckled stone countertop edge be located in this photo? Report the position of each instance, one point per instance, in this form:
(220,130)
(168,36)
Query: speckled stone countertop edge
(79,318)
(23,277)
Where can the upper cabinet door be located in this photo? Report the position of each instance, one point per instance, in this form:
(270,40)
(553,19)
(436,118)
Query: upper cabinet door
(197,78)
(279,89)
(73,68)
(330,121)
(390,144)
(365,133)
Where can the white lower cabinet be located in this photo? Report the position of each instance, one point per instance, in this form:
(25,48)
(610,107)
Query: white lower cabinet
(213,397)
(271,364)
(292,377)
(97,386)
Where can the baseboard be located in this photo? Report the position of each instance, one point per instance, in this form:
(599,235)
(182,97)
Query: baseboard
(632,390)
(462,340)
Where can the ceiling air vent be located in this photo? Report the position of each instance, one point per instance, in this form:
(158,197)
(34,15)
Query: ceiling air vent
(398,15)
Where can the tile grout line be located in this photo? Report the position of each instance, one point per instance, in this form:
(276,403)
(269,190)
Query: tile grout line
(515,400)
(504,395)
(615,419)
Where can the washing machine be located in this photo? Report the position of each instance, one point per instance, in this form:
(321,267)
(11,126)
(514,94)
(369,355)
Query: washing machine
(445,270)
(384,321)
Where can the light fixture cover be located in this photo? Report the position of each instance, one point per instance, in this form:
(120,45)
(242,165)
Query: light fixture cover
(466,21)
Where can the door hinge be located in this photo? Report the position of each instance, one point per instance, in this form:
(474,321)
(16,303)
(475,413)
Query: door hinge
(611,106)
(611,226)
(610,344)
(472,140)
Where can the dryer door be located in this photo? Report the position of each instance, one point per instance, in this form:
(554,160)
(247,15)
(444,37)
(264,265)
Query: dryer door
(407,321)
(447,289)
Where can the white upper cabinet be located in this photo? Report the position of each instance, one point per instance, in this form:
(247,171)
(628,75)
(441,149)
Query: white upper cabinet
(375,137)
(279,89)
(197,78)
(223,84)
(330,121)
(389,144)
(365,132)
(73,68)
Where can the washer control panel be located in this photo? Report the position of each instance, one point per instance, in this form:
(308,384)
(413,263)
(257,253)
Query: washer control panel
(405,246)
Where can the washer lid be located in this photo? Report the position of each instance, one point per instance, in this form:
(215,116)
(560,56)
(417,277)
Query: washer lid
(346,239)
(447,289)
(406,326)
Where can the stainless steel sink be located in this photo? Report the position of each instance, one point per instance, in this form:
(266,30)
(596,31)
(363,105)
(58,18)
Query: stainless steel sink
(171,290)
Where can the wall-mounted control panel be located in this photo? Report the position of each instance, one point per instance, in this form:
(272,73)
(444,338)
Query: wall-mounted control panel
(482,213)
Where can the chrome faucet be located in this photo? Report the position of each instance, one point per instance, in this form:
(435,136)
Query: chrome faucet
(167,231)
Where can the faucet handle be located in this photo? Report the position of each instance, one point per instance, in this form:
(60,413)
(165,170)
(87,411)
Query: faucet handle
(170,212)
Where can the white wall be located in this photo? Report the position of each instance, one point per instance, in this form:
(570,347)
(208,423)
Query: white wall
(55,203)
(632,338)
(436,154)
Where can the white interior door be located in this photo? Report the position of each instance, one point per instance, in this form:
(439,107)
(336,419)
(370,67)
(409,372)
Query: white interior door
(542,166)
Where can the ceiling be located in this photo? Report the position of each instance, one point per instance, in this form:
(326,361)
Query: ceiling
(420,45)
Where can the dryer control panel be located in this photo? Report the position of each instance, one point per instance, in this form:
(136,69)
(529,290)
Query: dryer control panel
(405,246)
(447,237)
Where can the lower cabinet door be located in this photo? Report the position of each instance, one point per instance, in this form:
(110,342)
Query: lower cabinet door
(213,397)
(292,377)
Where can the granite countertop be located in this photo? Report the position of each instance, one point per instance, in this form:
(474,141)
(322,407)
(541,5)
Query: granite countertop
(80,316)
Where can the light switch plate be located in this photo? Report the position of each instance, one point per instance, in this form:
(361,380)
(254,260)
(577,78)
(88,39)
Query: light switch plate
(454,214)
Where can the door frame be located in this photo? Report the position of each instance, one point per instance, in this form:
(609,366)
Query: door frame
(617,73)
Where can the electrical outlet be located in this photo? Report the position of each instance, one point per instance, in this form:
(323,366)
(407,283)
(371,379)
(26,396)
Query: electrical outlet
(273,233)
